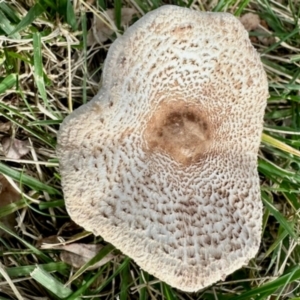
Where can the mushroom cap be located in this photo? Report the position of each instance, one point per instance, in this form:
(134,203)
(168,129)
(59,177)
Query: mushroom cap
(162,163)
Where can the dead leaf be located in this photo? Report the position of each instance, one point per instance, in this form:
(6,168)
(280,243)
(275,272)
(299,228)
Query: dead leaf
(8,195)
(250,21)
(78,254)
(52,239)
(14,148)
(5,127)
(100,32)
(265,38)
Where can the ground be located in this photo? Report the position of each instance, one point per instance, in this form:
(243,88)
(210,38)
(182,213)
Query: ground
(51,59)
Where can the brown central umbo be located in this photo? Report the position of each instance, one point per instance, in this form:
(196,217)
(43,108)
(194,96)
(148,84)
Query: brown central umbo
(180,130)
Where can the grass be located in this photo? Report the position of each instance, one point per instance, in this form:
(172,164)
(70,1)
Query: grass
(47,69)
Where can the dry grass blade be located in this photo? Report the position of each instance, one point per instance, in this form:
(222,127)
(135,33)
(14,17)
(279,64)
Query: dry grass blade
(9,281)
(280,145)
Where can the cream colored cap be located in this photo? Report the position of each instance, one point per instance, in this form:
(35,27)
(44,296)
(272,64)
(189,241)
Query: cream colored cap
(162,163)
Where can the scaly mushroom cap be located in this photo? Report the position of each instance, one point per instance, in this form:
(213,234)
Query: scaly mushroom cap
(162,162)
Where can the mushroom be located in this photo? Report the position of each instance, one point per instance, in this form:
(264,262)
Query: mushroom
(162,163)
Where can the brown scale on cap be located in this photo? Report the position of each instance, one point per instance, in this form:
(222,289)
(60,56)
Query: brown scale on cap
(162,163)
(180,130)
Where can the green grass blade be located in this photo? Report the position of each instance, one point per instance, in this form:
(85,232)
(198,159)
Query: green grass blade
(8,82)
(50,283)
(38,67)
(7,27)
(102,253)
(71,18)
(168,293)
(32,14)
(45,122)
(80,291)
(49,204)
(37,252)
(143,278)
(23,271)
(118,270)
(272,171)
(279,217)
(125,281)
(102,4)
(9,12)
(279,239)
(21,57)
(44,138)
(282,39)
(241,7)
(27,180)
(270,287)
(118,13)
(222,5)
(84,287)
(12,207)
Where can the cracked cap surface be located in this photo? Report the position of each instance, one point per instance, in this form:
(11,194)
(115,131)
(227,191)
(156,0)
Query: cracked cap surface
(162,163)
